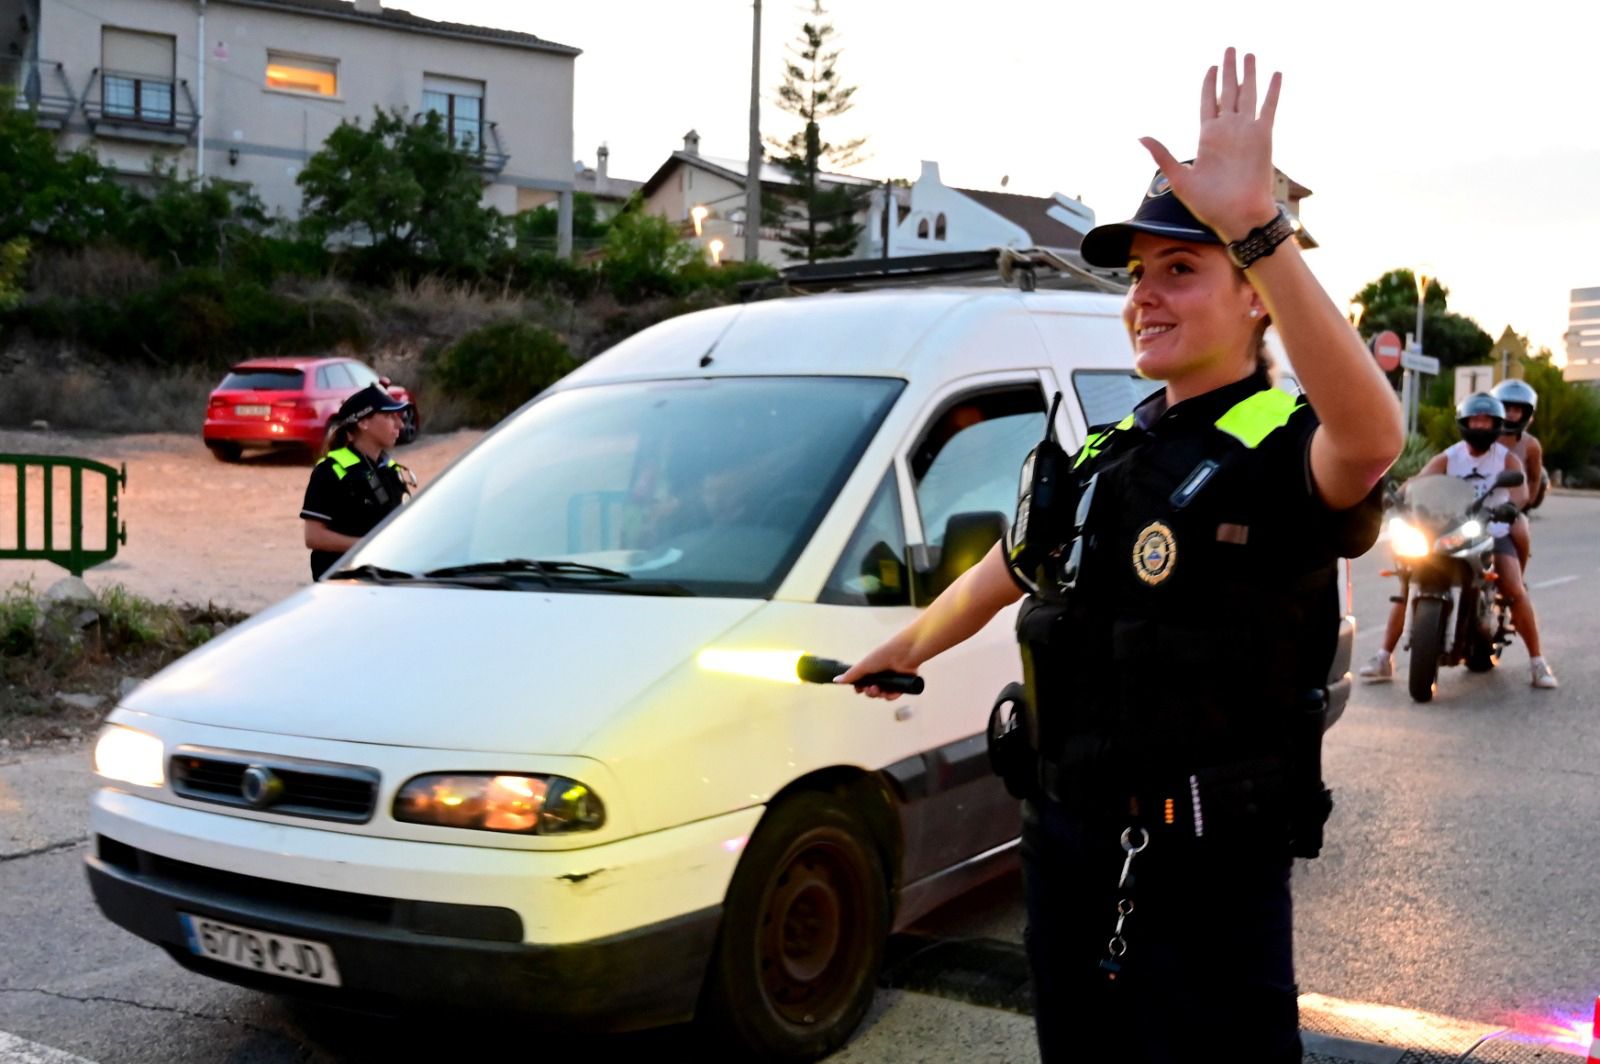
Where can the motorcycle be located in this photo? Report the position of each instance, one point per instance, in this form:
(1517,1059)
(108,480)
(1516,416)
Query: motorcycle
(1439,534)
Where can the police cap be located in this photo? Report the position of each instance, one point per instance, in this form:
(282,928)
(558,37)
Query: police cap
(1161,212)
(368,401)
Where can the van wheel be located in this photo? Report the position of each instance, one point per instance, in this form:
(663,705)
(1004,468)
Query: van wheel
(803,930)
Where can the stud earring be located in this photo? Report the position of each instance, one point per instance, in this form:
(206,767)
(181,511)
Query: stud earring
(1254,313)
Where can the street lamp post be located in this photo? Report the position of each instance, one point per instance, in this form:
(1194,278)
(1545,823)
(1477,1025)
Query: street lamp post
(1413,377)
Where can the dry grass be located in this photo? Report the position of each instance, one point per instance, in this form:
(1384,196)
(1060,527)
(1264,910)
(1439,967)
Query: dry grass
(105,399)
(46,648)
(452,309)
(92,273)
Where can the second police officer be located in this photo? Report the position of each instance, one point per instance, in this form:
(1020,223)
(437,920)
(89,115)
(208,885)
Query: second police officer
(1181,618)
(356,484)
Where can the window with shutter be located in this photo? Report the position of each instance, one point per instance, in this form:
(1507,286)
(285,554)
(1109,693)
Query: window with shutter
(137,73)
(459,104)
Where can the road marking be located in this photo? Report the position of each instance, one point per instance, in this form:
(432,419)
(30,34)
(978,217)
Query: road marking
(1553,582)
(14,1050)
(1390,1025)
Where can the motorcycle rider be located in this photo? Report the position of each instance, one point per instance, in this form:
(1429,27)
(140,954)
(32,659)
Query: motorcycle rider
(1478,457)
(1520,399)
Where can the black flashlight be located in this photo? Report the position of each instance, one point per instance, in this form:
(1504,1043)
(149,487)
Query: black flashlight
(825,670)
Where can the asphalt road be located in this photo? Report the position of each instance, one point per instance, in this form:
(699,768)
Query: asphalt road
(1461,877)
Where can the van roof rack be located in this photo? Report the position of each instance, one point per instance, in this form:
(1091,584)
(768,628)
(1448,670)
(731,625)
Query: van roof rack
(1024,268)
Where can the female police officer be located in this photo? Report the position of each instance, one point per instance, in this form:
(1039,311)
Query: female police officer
(356,484)
(1181,622)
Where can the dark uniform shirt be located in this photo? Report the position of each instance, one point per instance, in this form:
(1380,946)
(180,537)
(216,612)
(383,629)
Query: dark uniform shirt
(350,493)
(1197,616)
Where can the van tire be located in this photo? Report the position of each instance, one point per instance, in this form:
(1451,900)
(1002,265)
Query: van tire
(802,937)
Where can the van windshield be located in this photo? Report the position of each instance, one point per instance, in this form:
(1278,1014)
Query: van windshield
(710,486)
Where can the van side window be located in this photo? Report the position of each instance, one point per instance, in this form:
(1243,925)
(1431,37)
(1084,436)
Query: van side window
(1107,395)
(872,569)
(971,455)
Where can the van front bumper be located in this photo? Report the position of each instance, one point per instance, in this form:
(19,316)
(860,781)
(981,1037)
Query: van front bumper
(454,927)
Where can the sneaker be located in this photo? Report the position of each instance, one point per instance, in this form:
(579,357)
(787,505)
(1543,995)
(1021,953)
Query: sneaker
(1542,676)
(1380,669)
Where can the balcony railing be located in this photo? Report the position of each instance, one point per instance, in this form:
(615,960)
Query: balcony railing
(479,141)
(41,87)
(488,155)
(139,107)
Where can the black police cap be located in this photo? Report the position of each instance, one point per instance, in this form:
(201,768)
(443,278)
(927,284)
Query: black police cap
(1161,213)
(368,401)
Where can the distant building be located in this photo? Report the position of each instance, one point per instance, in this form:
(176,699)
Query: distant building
(712,186)
(932,217)
(1583,337)
(247,90)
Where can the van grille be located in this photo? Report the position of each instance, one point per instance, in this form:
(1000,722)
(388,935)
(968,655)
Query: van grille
(287,786)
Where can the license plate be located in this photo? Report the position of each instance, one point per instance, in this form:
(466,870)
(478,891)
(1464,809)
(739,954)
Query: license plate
(253,410)
(261,951)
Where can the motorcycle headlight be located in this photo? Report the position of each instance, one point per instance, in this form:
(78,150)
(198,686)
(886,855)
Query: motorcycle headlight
(1406,539)
(1471,530)
(129,756)
(527,805)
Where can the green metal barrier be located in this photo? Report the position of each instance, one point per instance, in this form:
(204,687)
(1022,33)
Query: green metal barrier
(74,557)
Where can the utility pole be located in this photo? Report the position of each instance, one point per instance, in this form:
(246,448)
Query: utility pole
(752,177)
(200,87)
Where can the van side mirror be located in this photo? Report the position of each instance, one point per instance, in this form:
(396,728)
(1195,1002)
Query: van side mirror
(1510,478)
(967,538)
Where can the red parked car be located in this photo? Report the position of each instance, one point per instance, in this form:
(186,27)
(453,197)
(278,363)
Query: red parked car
(289,402)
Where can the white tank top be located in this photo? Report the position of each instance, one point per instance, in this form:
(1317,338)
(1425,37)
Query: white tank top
(1480,470)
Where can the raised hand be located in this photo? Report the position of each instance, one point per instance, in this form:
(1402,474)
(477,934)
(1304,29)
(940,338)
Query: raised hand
(1228,186)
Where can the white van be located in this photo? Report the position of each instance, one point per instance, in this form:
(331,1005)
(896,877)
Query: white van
(538,746)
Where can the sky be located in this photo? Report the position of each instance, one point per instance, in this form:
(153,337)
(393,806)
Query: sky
(1462,139)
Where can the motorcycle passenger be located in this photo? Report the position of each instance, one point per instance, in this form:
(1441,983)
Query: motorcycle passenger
(1520,399)
(1181,619)
(356,484)
(1478,457)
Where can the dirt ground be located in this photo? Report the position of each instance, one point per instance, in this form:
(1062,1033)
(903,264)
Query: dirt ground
(199,530)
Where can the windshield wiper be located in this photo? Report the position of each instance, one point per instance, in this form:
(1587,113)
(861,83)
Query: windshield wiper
(370,572)
(576,574)
(528,565)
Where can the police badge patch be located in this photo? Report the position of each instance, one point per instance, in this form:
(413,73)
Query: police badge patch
(1155,552)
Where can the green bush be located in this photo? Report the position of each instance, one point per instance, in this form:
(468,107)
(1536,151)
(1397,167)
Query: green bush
(195,317)
(644,253)
(499,367)
(19,622)
(1412,458)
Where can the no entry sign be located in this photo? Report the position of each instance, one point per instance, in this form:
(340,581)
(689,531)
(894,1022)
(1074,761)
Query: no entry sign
(1386,348)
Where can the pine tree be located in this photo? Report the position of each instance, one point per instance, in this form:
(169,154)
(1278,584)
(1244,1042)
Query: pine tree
(825,227)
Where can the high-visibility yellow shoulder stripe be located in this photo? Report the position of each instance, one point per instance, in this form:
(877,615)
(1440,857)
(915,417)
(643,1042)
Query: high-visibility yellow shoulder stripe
(1093,444)
(342,460)
(1253,419)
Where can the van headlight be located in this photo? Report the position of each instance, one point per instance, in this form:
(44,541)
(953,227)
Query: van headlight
(527,805)
(130,756)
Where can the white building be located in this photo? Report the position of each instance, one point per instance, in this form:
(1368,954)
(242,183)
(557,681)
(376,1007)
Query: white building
(705,195)
(247,90)
(1583,336)
(932,217)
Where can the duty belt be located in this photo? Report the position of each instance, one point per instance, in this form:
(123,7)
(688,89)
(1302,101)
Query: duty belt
(1231,800)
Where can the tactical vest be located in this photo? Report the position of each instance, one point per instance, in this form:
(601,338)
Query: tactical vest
(370,489)
(1182,642)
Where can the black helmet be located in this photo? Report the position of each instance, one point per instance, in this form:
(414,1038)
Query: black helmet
(1512,392)
(1476,405)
